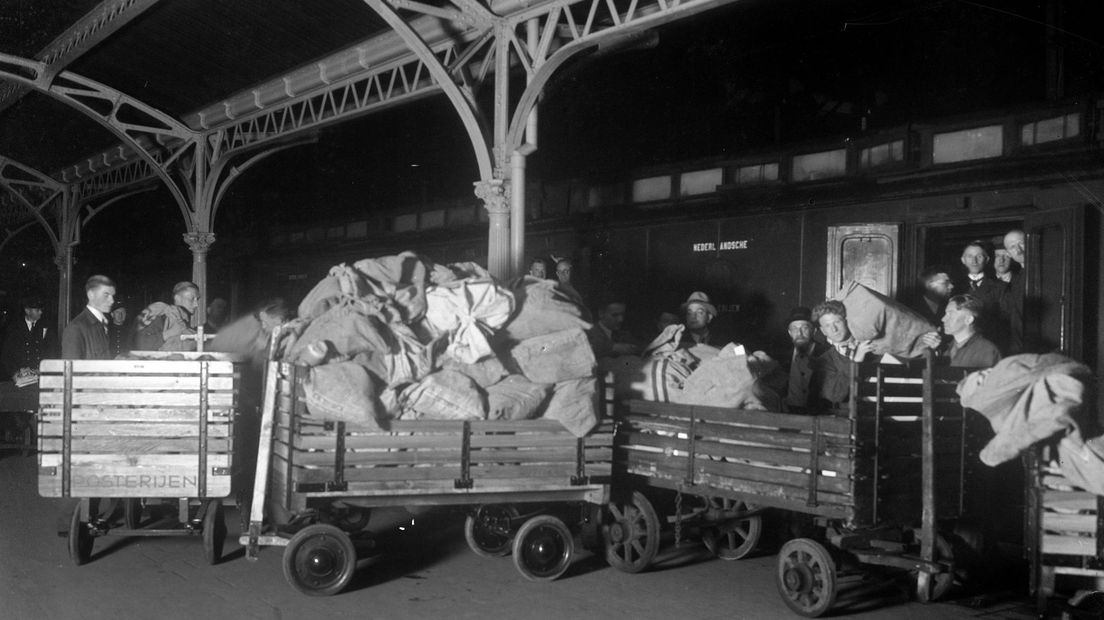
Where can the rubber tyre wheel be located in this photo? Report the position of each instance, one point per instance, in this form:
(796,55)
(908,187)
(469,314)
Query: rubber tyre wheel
(543,547)
(214,532)
(80,539)
(806,577)
(132,513)
(320,560)
(632,534)
(736,538)
(489,531)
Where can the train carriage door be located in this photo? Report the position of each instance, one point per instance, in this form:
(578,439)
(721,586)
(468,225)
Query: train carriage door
(1053,288)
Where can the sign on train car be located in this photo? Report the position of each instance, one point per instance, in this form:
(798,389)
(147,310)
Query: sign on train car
(137,428)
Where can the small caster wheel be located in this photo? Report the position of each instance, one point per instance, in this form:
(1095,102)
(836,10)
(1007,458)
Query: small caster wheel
(132,513)
(80,538)
(632,534)
(214,532)
(734,538)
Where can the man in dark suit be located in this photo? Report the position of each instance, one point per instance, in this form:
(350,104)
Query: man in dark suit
(984,288)
(85,337)
(806,349)
(26,341)
(606,337)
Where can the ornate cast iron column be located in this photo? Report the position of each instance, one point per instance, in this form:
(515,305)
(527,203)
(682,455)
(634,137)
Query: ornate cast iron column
(495,197)
(199,243)
(64,261)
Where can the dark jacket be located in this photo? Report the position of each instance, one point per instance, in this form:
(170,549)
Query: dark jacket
(25,348)
(85,338)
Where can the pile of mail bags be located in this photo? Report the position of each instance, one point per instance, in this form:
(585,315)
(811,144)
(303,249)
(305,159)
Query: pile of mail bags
(399,337)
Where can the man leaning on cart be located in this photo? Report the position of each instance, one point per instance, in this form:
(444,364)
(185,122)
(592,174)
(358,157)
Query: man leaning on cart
(85,338)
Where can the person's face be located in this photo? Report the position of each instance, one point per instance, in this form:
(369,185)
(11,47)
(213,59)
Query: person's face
(939,286)
(975,259)
(269,322)
(538,270)
(1014,243)
(102,298)
(801,333)
(187,299)
(1002,262)
(32,314)
(118,315)
(612,316)
(563,272)
(834,327)
(665,319)
(955,319)
(697,317)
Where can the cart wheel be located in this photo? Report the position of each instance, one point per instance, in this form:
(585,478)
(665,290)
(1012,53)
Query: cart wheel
(80,539)
(632,536)
(132,513)
(214,532)
(320,560)
(542,548)
(806,577)
(734,538)
(938,584)
(490,531)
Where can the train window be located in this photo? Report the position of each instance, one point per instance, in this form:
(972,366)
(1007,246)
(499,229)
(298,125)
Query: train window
(700,182)
(297,237)
(651,189)
(1050,129)
(315,234)
(404,223)
(357,229)
(605,195)
(968,144)
(881,154)
(335,232)
(822,165)
(758,173)
(459,216)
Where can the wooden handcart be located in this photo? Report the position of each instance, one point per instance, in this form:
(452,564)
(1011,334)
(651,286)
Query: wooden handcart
(139,432)
(316,482)
(879,479)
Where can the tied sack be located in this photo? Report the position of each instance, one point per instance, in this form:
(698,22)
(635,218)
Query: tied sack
(574,404)
(443,395)
(344,392)
(647,379)
(889,326)
(468,311)
(725,380)
(555,357)
(515,398)
(542,309)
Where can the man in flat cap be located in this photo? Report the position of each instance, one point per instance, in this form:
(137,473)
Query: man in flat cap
(805,350)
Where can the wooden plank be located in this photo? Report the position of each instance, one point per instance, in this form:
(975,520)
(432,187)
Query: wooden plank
(1054,544)
(1061,522)
(522,473)
(829,424)
(1069,501)
(313,475)
(135,445)
(147,399)
(749,453)
(568,442)
(134,429)
(215,383)
(117,367)
(147,475)
(379,441)
(387,457)
(137,414)
(507,455)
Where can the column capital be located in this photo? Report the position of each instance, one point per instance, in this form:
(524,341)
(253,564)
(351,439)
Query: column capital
(61,259)
(495,195)
(199,242)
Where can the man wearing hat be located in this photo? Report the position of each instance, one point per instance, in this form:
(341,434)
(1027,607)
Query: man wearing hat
(27,340)
(805,350)
(698,312)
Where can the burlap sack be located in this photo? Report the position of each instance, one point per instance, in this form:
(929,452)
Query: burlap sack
(574,405)
(555,357)
(515,398)
(889,326)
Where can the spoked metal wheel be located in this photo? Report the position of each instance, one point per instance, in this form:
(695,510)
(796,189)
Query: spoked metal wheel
(490,531)
(320,560)
(806,577)
(132,513)
(632,534)
(733,538)
(214,532)
(80,538)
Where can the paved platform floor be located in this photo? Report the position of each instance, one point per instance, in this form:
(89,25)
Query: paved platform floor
(427,572)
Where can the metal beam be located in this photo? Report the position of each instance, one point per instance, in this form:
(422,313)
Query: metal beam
(33,190)
(89,31)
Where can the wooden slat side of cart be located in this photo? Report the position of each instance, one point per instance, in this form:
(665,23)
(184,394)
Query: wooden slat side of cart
(862,466)
(136,428)
(1066,528)
(428,462)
